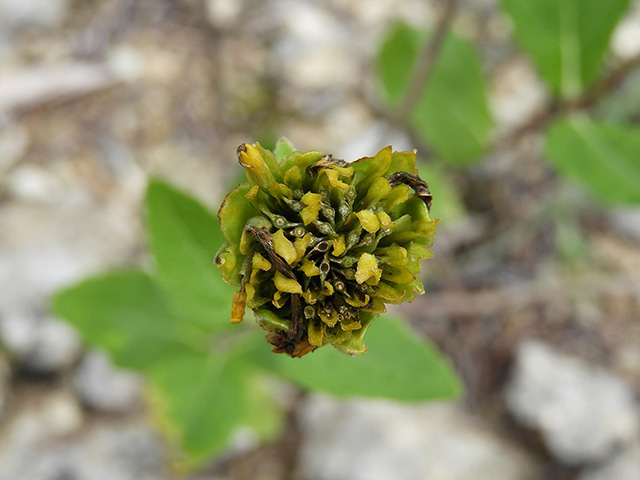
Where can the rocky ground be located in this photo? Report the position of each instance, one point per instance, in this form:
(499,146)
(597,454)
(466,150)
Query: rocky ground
(96,96)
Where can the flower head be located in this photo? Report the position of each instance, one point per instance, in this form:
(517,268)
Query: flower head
(317,245)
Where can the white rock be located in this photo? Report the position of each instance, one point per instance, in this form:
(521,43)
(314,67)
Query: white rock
(582,412)
(103,387)
(53,416)
(43,420)
(125,63)
(31,183)
(114,452)
(379,15)
(624,466)
(122,452)
(21,13)
(324,66)
(36,85)
(626,37)
(376,440)
(27,275)
(627,222)
(223,13)
(371,139)
(516,94)
(41,344)
(307,24)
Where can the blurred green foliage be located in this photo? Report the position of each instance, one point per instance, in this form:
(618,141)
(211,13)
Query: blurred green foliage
(206,376)
(566,39)
(603,156)
(451,114)
(568,42)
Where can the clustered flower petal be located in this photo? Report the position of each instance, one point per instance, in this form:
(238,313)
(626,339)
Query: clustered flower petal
(318,246)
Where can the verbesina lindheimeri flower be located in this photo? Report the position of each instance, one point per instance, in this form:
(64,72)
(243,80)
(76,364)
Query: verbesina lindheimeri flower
(318,245)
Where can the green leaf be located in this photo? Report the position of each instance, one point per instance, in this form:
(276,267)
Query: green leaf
(126,313)
(566,39)
(234,213)
(184,238)
(200,399)
(264,416)
(452,115)
(283,149)
(399,365)
(603,157)
(397,56)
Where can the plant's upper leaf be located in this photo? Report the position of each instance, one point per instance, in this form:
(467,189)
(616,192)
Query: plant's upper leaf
(126,313)
(402,162)
(398,365)
(566,39)
(234,213)
(603,157)
(452,114)
(184,238)
(396,58)
(283,149)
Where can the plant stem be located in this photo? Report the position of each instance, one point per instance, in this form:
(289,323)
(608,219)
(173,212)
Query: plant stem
(425,64)
(587,99)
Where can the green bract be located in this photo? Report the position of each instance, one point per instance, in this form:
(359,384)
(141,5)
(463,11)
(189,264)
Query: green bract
(318,245)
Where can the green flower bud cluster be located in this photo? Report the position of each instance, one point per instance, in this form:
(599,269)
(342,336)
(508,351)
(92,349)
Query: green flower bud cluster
(318,246)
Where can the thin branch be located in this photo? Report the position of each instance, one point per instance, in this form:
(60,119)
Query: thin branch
(588,98)
(425,64)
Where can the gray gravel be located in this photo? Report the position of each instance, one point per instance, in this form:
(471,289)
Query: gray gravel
(381,440)
(623,466)
(583,413)
(101,386)
(40,343)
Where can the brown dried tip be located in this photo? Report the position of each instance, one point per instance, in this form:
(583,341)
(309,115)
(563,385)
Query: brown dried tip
(416,183)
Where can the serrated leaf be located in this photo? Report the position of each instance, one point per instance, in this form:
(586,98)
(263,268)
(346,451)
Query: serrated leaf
(601,156)
(452,114)
(398,365)
(184,238)
(126,313)
(566,39)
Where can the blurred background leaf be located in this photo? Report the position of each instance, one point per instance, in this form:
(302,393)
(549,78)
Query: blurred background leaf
(603,157)
(452,113)
(201,399)
(449,206)
(566,39)
(201,395)
(95,101)
(399,365)
(184,238)
(127,314)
